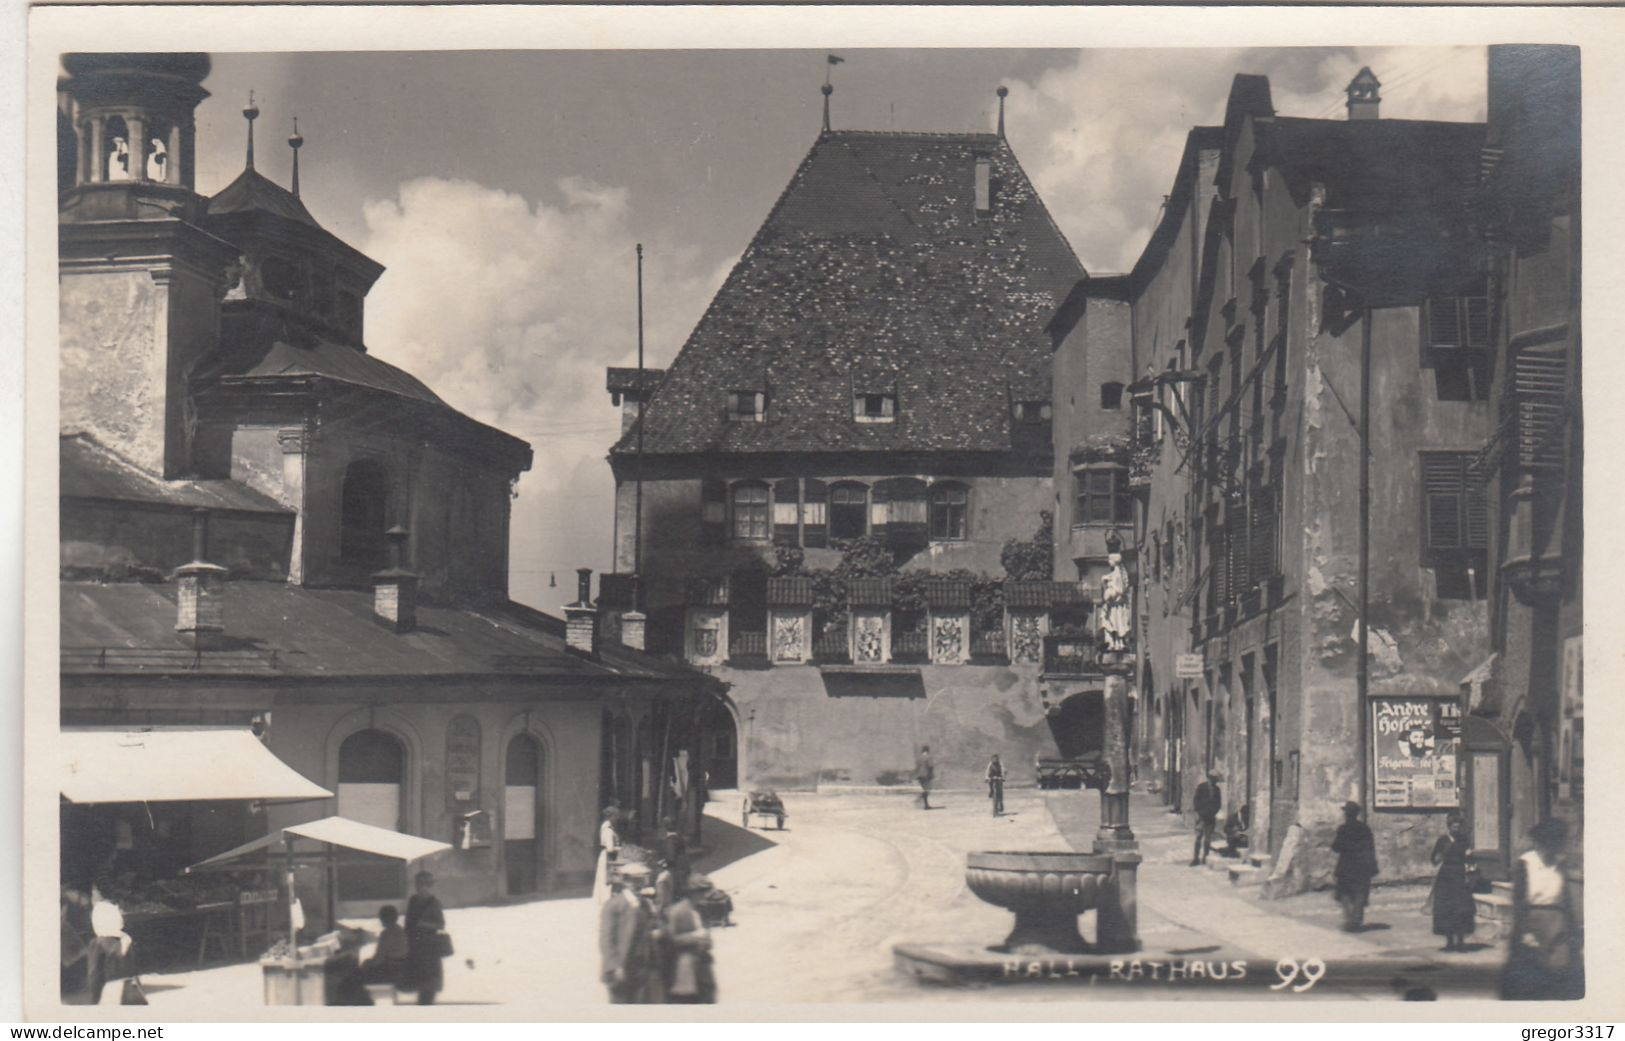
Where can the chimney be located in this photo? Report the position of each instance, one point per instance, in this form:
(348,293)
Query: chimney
(581,617)
(199,591)
(634,623)
(1363,96)
(395,589)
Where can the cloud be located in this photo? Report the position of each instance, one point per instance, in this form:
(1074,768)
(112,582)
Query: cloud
(510,309)
(1100,138)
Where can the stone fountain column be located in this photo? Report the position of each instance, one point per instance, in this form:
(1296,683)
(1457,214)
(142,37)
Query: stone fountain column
(1117,926)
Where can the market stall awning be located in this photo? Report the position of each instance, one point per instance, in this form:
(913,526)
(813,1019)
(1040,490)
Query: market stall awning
(173,764)
(339,831)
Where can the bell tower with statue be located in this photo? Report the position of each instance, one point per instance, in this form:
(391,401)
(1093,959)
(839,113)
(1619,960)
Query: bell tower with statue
(140,279)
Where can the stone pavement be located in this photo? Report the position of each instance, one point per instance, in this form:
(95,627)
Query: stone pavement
(819,907)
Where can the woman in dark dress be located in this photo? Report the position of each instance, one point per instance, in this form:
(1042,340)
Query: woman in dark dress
(1453,910)
(1356,864)
(425,921)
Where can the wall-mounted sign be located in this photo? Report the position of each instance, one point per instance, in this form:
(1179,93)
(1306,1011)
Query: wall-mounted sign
(1414,742)
(463,760)
(1188,666)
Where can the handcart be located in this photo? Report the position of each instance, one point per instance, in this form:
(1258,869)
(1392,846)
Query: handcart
(764,802)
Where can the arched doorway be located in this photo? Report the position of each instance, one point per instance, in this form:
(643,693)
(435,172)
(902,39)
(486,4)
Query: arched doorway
(1079,724)
(371,789)
(522,814)
(719,746)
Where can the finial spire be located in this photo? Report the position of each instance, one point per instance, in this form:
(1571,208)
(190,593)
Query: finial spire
(251,113)
(830,61)
(294,143)
(1003,93)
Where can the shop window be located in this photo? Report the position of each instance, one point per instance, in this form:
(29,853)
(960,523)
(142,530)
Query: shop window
(848,511)
(874,408)
(1103,496)
(949,503)
(365,499)
(751,512)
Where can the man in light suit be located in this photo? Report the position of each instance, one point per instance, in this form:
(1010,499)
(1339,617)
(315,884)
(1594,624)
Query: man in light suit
(626,940)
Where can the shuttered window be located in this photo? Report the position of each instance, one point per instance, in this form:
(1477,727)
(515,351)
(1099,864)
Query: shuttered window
(814,513)
(713,511)
(1540,384)
(1457,322)
(786,511)
(1456,506)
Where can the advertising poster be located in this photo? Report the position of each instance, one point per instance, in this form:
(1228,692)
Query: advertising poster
(1414,743)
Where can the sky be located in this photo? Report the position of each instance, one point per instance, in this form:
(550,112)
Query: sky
(505,193)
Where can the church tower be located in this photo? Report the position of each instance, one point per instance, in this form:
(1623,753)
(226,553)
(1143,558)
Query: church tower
(140,278)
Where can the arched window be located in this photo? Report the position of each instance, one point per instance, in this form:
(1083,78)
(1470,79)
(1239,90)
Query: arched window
(522,814)
(280,277)
(848,511)
(116,150)
(372,779)
(751,518)
(365,499)
(156,166)
(949,502)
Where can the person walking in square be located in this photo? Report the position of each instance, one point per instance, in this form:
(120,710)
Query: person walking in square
(425,922)
(689,974)
(995,784)
(1207,803)
(1545,955)
(1453,910)
(924,772)
(627,940)
(1356,851)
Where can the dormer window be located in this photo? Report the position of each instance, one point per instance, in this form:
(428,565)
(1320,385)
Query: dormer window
(984,185)
(1031,411)
(874,408)
(747,406)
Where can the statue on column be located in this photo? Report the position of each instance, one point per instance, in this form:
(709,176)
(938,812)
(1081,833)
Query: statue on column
(1116,616)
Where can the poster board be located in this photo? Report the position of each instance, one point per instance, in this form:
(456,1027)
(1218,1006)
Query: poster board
(1414,745)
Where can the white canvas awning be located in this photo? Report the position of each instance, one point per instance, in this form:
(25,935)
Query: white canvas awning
(174,764)
(339,831)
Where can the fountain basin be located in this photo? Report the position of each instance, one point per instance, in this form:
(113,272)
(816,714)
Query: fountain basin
(1046,891)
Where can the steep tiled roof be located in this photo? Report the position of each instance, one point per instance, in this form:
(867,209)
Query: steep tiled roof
(874,273)
(91,471)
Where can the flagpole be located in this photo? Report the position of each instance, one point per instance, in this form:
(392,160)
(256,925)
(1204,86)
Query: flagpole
(643,406)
